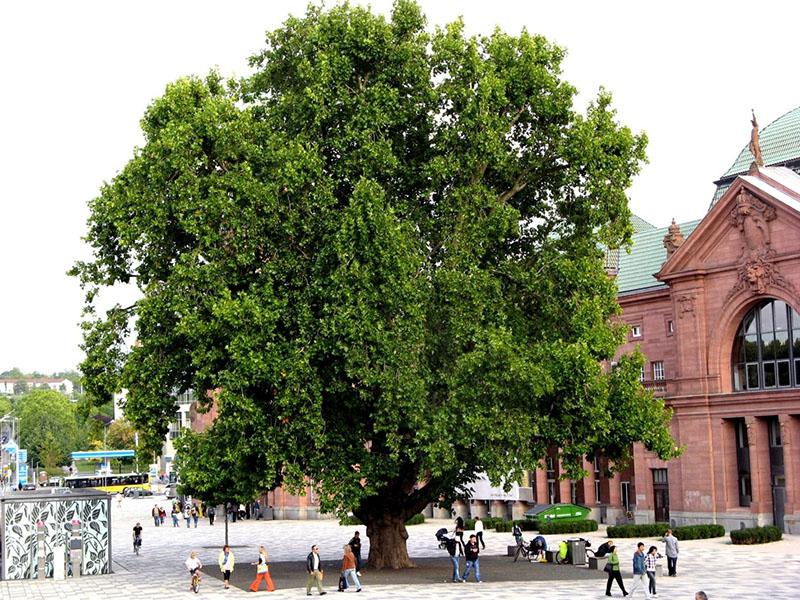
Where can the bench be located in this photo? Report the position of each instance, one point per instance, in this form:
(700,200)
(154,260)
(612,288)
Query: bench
(597,563)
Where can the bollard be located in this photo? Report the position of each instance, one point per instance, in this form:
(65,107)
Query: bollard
(76,549)
(41,551)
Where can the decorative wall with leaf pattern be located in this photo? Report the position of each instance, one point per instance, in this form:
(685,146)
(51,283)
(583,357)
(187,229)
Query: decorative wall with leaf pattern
(21,551)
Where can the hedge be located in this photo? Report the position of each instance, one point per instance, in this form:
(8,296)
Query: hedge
(698,532)
(567,526)
(642,530)
(756,535)
(351,520)
(687,532)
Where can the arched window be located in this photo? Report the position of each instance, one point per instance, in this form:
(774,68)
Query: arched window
(766,353)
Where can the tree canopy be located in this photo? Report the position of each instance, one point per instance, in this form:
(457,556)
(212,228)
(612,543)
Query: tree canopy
(47,427)
(383,253)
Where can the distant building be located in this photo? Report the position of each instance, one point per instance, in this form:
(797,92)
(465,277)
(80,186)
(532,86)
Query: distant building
(58,384)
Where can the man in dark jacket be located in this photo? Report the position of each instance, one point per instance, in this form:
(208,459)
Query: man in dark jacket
(471,551)
(314,569)
(355,546)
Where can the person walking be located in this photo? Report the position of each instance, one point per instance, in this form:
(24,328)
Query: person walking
(156,515)
(650,567)
(162,514)
(314,569)
(479,532)
(211,512)
(471,560)
(187,514)
(137,538)
(614,574)
(355,546)
(195,514)
(639,574)
(175,515)
(671,550)
(451,550)
(460,533)
(226,562)
(118,498)
(349,567)
(262,571)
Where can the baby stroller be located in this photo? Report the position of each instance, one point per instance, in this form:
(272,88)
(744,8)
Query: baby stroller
(442,538)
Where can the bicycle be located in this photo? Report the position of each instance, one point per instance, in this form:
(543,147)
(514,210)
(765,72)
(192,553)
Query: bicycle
(522,550)
(196,581)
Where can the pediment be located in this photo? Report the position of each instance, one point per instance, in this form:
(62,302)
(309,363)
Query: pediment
(752,225)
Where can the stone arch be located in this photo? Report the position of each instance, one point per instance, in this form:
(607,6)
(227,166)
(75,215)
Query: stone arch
(723,336)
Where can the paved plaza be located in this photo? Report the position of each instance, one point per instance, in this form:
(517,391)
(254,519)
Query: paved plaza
(722,570)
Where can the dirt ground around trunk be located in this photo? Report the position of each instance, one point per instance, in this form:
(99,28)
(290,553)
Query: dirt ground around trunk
(288,575)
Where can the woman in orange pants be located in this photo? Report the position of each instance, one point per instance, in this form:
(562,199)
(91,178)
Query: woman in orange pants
(262,572)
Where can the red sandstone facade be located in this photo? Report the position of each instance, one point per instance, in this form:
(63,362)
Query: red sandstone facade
(741,464)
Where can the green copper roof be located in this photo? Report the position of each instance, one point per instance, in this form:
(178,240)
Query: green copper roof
(639,224)
(647,255)
(780,142)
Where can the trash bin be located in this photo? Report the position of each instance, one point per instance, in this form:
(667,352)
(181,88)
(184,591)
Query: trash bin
(576,551)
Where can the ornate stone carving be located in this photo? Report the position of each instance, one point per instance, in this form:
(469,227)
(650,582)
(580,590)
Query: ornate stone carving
(758,276)
(751,217)
(685,304)
(673,239)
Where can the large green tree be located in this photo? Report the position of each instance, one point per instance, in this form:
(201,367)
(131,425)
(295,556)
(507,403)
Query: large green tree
(47,427)
(381,257)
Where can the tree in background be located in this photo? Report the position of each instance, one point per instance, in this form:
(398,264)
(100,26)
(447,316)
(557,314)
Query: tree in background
(48,427)
(5,406)
(383,252)
(121,435)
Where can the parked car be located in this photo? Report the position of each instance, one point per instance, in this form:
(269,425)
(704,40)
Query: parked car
(133,492)
(28,487)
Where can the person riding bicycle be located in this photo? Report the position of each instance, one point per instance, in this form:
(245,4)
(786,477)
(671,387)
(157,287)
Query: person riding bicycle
(137,537)
(194,565)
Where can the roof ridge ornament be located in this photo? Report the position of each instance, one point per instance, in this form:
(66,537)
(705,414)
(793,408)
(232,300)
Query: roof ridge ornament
(755,146)
(674,238)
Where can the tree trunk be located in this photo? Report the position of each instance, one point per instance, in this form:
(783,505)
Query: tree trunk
(387,543)
(226,524)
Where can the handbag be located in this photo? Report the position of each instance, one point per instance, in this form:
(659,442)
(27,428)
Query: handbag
(342,583)
(608,568)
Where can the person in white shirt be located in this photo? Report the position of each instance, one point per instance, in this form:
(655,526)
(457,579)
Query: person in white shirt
(479,532)
(194,565)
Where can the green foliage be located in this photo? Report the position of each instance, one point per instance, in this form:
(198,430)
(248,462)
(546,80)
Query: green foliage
(381,227)
(48,427)
(5,406)
(502,526)
(417,519)
(121,435)
(527,524)
(698,532)
(641,530)
(756,535)
(567,526)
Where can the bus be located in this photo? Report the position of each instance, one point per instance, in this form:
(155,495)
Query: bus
(112,483)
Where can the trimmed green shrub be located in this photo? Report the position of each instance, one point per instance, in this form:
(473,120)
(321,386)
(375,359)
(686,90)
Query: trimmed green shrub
(526,524)
(416,519)
(351,520)
(756,535)
(502,526)
(642,530)
(568,526)
(698,532)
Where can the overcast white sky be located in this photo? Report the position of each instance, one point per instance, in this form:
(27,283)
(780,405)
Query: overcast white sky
(77,77)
